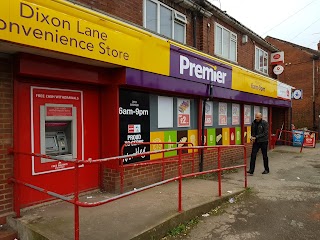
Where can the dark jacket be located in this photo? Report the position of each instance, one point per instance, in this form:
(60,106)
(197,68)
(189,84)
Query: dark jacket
(260,130)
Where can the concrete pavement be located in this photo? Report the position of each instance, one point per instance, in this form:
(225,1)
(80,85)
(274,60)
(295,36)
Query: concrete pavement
(150,214)
(282,205)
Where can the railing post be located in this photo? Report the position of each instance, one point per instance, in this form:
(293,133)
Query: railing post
(16,186)
(219,171)
(193,158)
(180,182)
(245,166)
(76,199)
(121,175)
(302,142)
(162,162)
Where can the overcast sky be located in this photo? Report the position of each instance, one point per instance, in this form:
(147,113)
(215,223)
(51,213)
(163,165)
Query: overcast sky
(296,21)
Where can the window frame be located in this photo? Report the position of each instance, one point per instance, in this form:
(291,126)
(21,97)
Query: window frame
(266,67)
(177,17)
(231,39)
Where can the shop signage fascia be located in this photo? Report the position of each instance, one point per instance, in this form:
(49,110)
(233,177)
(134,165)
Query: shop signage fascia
(61,26)
(182,57)
(284,91)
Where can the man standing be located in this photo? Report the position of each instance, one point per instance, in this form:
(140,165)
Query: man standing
(259,137)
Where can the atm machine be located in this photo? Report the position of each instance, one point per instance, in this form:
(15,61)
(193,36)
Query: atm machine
(58,129)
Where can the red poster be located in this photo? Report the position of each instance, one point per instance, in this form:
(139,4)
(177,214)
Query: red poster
(184,120)
(232,136)
(208,120)
(222,120)
(309,139)
(53,110)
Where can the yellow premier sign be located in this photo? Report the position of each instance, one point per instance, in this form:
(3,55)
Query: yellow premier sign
(250,82)
(65,27)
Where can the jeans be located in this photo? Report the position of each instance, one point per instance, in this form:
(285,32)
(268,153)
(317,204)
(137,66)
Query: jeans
(255,148)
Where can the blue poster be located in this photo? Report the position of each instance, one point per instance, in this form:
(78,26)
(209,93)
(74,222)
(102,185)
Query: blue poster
(297,138)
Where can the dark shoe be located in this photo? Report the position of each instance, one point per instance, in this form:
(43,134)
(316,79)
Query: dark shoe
(265,172)
(251,173)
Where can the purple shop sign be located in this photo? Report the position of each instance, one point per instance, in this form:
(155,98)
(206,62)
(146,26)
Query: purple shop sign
(187,65)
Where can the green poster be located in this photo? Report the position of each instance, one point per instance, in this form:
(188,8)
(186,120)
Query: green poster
(238,135)
(211,136)
(170,136)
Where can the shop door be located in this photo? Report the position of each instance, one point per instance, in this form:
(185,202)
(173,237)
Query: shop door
(62,122)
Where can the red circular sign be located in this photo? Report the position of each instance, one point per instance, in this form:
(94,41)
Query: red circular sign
(276,56)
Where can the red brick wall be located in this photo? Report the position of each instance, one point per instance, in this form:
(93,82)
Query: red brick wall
(299,73)
(6,134)
(245,51)
(132,11)
(137,177)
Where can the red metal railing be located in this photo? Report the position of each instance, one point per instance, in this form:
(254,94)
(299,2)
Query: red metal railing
(162,161)
(286,136)
(75,199)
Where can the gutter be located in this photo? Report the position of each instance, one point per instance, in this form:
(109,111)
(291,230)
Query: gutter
(191,5)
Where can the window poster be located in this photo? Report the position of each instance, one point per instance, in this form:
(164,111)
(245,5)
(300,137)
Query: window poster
(134,121)
(256,110)
(247,114)
(183,106)
(218,136)
(211,137)
(156,138)
(208,114)
(235,114)
(265,113)
(182,138)
(223,110)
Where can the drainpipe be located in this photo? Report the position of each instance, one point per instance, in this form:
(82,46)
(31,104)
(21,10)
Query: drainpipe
(202,134)
(313,102)
(314,57)
(203,125)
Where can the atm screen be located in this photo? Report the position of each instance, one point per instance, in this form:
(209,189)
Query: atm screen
(51,144)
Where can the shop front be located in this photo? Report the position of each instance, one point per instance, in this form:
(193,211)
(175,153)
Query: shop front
(86,84)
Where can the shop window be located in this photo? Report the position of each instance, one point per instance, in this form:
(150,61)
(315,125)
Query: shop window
(235,114)
(225,43)
(261,61)
(164,20)
(165,112)
(247,115)
(265,113)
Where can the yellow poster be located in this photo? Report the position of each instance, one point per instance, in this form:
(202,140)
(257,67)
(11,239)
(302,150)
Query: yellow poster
(193,138)
(248,134)
(156,137)
(68,28)
(225,136)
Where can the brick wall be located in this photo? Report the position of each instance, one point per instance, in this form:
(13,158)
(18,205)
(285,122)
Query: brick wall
(6,134)
(132,11)
(299,73)
(137,177)
(245,51)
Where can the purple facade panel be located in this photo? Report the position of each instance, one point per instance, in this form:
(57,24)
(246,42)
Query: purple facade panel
(164,83)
